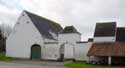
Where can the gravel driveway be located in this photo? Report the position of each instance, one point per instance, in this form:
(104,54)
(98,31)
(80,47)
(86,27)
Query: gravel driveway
(34,64)
(19,64)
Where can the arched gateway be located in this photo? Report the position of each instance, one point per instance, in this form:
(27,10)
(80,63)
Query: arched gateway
(36,52)
(66,51)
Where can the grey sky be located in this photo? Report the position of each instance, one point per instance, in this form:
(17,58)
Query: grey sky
(83,14)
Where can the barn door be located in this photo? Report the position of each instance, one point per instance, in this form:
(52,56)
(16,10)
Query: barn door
(35,52)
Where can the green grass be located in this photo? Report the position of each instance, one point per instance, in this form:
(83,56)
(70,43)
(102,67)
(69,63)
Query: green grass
(4,58)
(82,65)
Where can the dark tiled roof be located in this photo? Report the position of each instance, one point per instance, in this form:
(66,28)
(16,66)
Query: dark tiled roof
(44,25)
(105,29)
(120,34)
(90,40)
(70,29)
(107,49)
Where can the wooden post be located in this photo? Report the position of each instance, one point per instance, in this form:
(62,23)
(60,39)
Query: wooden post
(109,60)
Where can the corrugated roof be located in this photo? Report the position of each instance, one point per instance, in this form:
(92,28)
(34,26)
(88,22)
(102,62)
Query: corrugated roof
(120,34)
(105,29)
(69,29)
(44,25)
(107,49)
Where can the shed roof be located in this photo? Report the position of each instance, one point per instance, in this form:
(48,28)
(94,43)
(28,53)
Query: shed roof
(44,25)
(107,49)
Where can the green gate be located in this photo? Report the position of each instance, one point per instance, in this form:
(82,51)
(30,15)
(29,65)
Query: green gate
(35,52)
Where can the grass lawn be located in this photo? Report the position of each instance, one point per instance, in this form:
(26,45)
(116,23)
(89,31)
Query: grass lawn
(4,58)
(82,65)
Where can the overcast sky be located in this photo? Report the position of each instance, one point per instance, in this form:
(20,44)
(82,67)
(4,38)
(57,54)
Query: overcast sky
(83,14)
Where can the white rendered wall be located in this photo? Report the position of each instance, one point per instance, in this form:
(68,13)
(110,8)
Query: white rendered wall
(81,50)
(69,37)
(23,36)
(104,39)
(68,51)
(51,52)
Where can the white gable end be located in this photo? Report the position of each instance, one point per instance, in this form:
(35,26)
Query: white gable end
(23,36)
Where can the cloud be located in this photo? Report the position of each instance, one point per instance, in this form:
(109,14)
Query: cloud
(83,14)
(11,5)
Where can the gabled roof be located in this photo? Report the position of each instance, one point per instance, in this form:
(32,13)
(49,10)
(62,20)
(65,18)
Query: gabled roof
(69,29)
(120,36)
(107,49)
(44,25)
(105,29)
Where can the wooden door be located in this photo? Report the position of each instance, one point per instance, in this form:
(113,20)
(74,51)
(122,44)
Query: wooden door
(36,52)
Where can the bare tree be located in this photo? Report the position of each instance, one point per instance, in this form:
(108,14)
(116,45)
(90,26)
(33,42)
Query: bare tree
(5,30)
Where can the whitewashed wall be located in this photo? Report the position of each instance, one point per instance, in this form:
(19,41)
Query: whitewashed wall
(23,36)
(105,39)
(51,52)
(81,50)
(68,51)
(69,37)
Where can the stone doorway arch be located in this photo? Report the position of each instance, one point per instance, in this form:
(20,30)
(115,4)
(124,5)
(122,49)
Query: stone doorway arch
(36,52)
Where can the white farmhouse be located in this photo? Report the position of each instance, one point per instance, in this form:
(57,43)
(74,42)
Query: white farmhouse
(35,37)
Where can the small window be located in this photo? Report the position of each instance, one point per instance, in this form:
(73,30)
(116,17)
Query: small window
(23,14)
(27,22)
(18,23)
